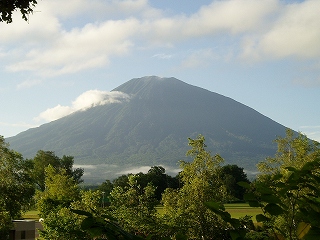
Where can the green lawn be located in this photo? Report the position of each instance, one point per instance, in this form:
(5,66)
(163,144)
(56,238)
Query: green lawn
(236,210)
(31,215)
(242,209)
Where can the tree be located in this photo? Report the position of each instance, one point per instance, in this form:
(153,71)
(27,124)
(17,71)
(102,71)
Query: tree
(159,179)
(134,208)
(121,181)
(293,151)
(291,204)
(55,203)
(184,209)
(45,158)
(106,188)
(287,191)
(16,187)
(288,188)
(7,7)
(231,175)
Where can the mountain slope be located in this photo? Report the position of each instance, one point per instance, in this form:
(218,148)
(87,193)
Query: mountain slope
(153,126)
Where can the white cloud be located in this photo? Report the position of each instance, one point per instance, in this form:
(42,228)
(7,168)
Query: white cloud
(29,83)
(54,113)
(163,56)
(52,45)
(145,169)
(231,17)
(86,100)
(294,32)
(43,27)
(200,58)
(101,8)
(94,98)
(94,166)
(80,49)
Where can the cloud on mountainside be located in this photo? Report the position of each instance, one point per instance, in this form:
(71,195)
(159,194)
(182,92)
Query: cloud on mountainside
(259,30)
(115,170)
(85,101)
(145,169)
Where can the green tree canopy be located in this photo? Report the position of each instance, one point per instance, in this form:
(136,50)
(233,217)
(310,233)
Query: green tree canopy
(231,175)
(54,204)
(184,209)
(288,190)
(134,207)
(45,158)
(159,179)
(16,187)
(293,151)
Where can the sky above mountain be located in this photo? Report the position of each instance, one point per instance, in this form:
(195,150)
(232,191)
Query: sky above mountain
(71,54)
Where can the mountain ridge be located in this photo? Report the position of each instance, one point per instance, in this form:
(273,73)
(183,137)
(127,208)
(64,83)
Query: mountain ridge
(153,126)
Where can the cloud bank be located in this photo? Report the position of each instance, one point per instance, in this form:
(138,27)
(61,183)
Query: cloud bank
(144,169)
(48,46)
(85,101)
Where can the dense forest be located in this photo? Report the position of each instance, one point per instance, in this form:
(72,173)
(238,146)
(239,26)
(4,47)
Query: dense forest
(287,190)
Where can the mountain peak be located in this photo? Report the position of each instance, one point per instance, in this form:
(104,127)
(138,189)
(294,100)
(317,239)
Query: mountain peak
(152,128)
(146,84)
(152,78)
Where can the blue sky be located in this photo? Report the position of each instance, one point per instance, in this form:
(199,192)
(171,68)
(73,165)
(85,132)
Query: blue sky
(71,54)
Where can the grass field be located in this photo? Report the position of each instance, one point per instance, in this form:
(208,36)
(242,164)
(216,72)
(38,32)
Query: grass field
(236,210)
(31,215)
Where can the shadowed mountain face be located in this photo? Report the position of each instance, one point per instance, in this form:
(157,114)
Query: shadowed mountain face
(152,128)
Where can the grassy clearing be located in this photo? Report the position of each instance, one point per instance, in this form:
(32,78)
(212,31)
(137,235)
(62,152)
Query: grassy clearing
(159,209)
(236,210)
(34,214)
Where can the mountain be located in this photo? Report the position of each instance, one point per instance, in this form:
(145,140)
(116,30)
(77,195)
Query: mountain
(152,127)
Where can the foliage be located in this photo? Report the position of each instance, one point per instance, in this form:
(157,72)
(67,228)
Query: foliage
(103,226)
(121,181)
(134,208)
(159,179)
(106,187)
(54,203)
(231,175)
(5,225)
(62,222)
(156,176)
(293,151)
(45,158)
(9,6)
(237,228)
(288,193)
(289,186)
(15,184)
(184,209)
(291,202)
